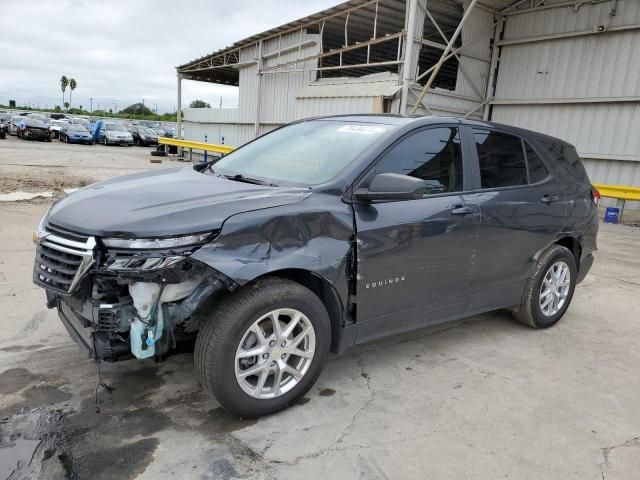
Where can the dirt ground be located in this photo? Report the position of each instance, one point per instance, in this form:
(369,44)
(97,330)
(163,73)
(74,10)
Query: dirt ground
(483,398)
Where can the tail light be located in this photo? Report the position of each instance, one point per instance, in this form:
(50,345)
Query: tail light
(595,195)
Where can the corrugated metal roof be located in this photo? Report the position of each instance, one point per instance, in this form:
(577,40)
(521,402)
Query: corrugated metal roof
(385,84)
(394,13)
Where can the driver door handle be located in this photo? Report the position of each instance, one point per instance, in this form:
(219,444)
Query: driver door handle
(547,199)
(462,210)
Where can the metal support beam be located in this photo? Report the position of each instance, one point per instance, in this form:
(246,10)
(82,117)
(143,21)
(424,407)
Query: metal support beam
(495,56)
(460,62)
(443,58)
(179,111)
(407,77)
(259,89)
(580,33)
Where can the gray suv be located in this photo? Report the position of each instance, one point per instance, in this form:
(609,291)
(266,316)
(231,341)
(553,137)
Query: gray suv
(322,234)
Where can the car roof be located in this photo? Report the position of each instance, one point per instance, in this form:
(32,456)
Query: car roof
(418,121)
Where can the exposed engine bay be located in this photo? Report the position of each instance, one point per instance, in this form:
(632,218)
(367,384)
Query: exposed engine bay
(124,303)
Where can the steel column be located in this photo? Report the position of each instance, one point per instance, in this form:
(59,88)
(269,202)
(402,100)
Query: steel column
(407,66)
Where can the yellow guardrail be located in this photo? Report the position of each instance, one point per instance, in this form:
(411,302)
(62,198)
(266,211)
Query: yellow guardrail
(621,192)
(191,145)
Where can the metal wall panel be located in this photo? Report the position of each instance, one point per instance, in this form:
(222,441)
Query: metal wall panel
(584,89)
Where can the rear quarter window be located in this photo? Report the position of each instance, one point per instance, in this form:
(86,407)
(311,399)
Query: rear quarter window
(566,157)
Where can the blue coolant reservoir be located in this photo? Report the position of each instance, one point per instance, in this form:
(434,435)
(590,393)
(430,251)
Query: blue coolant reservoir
(142,338)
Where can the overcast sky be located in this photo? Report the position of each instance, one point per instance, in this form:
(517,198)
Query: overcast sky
(121,52)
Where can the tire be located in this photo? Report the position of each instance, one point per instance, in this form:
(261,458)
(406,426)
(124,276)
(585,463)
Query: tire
(219,340)
(105,142)
(158,153)
(530,311)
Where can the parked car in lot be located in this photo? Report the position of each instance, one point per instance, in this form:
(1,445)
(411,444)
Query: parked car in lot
(143,136)
(14,124)
(319,235)
(75,133)
(30,129)
(170,132)
(55,127)
(111,133)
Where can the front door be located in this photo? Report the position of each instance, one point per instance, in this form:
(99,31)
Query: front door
(414,256)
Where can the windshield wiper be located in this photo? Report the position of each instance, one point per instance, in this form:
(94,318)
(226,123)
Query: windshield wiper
(238,177)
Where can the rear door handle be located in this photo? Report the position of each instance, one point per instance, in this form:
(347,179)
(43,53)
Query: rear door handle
(547,199)
(461,210)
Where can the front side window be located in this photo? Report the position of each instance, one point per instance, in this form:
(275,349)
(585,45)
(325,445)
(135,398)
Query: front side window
(306,153)
(433,155)
(501,159)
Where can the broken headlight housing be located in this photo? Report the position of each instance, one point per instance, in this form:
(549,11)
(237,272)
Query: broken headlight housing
(151,243)
(148,254)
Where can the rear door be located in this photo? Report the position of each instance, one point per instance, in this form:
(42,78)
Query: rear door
(522,211)
(414,256)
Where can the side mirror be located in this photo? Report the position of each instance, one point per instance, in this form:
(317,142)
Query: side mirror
(392,186)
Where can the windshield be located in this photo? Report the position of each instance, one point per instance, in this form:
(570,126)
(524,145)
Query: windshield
(146,131)
(76,128)
(110,127)
(306,153)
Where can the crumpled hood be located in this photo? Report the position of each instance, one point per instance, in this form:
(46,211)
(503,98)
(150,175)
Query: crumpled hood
(161,203)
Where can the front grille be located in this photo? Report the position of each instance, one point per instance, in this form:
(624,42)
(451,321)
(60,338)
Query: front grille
(61,262)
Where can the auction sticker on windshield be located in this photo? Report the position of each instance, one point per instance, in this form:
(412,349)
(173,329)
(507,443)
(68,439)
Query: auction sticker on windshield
(365,129)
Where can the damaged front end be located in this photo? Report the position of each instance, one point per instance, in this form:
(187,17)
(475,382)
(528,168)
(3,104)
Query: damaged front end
(121,298)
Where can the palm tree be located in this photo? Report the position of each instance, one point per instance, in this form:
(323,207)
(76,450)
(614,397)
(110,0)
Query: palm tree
(72,85)
(64,81)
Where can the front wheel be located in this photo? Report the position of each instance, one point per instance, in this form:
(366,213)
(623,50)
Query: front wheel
(549,289)
(105,141)
(257,355)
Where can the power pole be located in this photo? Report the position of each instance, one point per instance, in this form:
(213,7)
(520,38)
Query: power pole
(91,100)
(156,105)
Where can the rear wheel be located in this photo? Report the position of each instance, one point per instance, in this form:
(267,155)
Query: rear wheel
(263,348)
(549,289)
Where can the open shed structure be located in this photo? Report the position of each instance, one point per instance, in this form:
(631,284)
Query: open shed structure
(570,69)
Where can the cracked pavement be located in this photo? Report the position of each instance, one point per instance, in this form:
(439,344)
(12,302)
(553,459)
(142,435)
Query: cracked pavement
(483,398)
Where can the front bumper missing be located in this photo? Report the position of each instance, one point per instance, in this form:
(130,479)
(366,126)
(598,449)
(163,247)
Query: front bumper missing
(97,344)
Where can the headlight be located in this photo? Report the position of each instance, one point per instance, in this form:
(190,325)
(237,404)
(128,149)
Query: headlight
(151,243)
(40,230)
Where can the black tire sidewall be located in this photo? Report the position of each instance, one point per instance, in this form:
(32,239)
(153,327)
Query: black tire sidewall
(541,320)
(222,356)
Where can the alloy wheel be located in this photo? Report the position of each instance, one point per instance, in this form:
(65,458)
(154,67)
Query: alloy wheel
(275,353)
(555,288)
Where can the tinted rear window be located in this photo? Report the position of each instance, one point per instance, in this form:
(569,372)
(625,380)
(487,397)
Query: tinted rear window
(537,170)
(501,159)
(566,157)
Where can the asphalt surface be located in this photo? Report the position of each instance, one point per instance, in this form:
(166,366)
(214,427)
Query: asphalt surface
(484,398)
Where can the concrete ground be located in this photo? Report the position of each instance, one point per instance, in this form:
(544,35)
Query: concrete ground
(484,398)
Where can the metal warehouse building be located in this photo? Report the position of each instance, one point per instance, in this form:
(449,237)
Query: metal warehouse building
(567,68)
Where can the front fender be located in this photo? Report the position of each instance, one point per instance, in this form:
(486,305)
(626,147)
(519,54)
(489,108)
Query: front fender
(314,235)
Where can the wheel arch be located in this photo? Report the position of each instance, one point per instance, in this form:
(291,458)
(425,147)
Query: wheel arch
(573,245)
(323,289)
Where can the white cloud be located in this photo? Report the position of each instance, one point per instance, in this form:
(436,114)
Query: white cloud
(121,52)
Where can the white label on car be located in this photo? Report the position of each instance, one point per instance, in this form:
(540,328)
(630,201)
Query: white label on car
(364,129)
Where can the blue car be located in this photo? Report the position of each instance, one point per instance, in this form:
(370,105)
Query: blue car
(75,133)
(111,133)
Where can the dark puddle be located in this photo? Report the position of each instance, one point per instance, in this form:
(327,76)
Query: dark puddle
(21,348)
(119,441)
(327,392)
(15,379)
